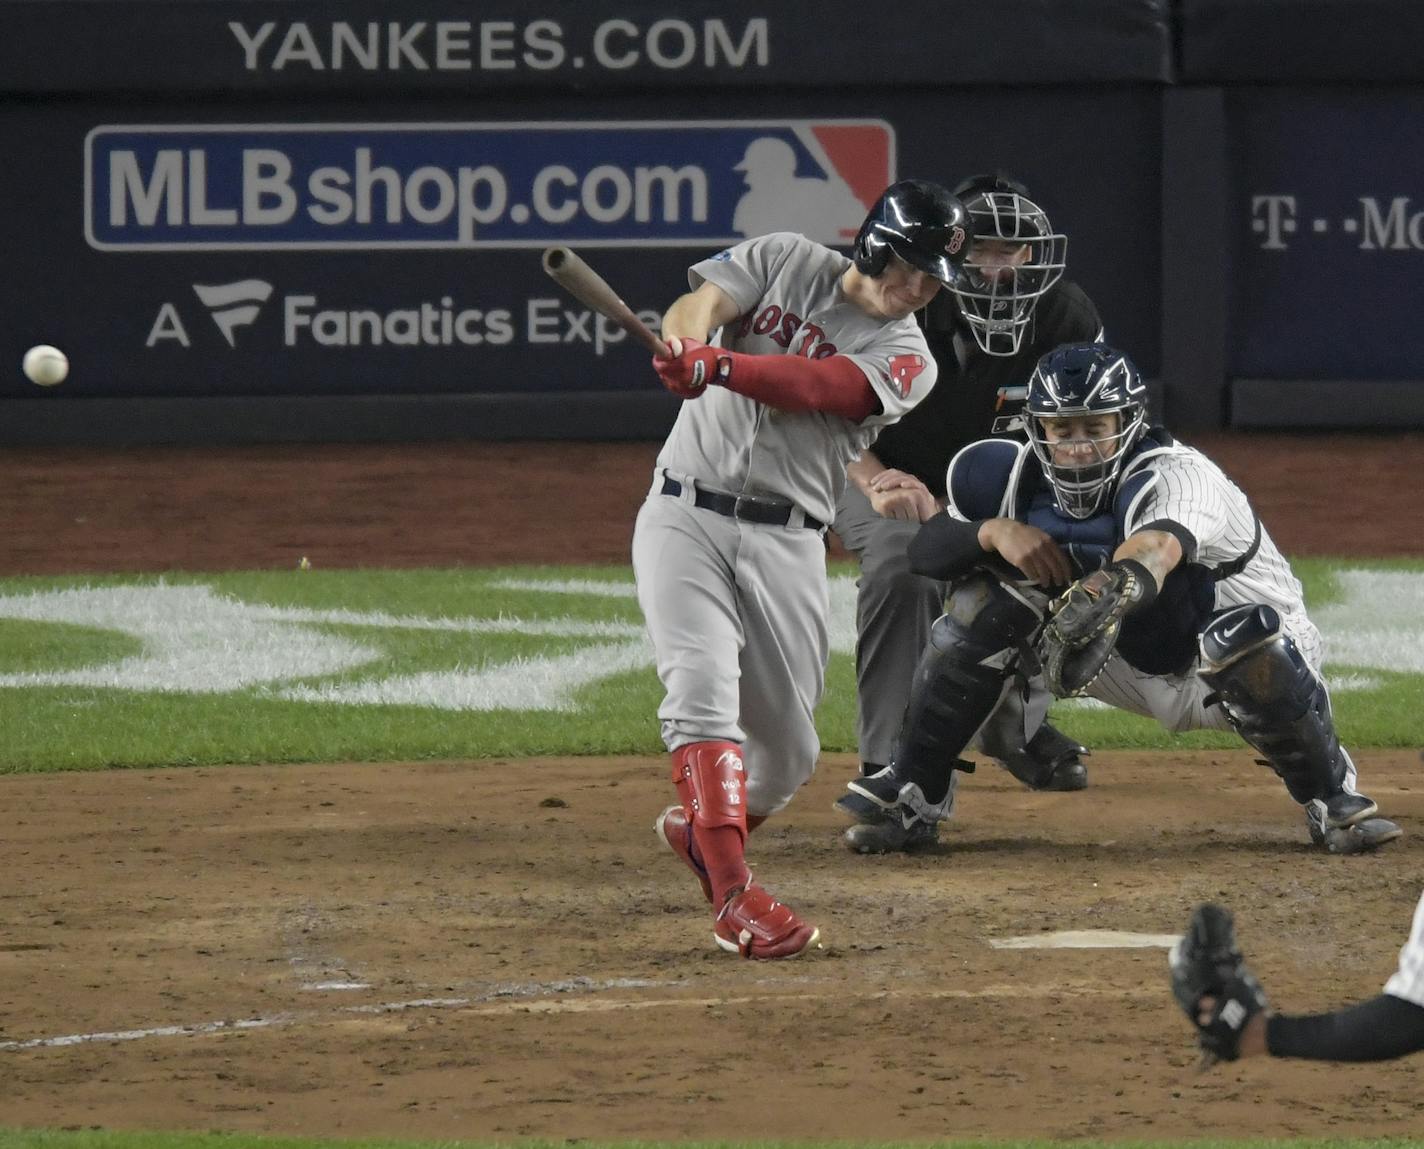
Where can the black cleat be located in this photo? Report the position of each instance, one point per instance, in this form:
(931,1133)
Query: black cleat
(1344,809)
(1050,761)
(891,836)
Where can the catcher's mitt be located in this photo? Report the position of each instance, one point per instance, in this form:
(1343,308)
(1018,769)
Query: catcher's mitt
(1206,963)
(1083,625)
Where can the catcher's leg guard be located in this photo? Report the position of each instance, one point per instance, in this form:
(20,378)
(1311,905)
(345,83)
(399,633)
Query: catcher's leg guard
(1280,706)
(711,784)
(973,650)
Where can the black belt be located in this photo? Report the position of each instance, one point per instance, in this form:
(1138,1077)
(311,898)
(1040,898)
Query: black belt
(745,507)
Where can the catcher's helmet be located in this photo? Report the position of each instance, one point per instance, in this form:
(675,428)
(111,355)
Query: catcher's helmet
(1018,258)
(1085,379)
(920,222)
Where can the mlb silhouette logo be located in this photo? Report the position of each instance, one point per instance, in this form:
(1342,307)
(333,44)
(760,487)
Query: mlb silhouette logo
(815,177)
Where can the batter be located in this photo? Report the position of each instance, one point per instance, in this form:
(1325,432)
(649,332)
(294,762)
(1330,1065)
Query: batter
(817,353)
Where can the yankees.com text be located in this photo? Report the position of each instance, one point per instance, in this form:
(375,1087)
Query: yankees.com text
(497,45)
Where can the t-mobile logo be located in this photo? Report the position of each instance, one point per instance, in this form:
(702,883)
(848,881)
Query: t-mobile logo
(1274,217)
(233,305)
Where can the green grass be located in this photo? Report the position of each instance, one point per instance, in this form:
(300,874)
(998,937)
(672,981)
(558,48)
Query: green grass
(83,726)
(35,646)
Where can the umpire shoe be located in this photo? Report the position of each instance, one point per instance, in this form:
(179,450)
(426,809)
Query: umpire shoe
(676,835)
(1050,761)
(872,797)
(874,804)
(755,925)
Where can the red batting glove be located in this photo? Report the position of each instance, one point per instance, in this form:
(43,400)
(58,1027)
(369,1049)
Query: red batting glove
(688,373)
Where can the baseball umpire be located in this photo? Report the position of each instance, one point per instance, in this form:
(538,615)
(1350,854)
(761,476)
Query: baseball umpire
(1225,1002)
(1178,606)
(986,332)
(817,353)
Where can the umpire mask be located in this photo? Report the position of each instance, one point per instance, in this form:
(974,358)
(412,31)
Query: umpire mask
(1015,258)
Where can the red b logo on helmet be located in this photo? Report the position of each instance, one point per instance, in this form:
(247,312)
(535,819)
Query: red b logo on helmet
(956,241)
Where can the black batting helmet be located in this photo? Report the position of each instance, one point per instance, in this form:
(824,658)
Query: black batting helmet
(920,222)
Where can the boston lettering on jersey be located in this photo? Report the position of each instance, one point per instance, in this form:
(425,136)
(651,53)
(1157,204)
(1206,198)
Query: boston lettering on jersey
(781,326)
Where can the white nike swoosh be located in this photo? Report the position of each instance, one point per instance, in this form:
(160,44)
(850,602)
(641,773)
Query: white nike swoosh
(1230,630)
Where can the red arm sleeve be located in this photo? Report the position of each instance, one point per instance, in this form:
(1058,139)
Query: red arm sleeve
(790,383)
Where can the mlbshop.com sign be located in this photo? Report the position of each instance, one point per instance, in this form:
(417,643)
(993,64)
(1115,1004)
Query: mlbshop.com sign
(425,186)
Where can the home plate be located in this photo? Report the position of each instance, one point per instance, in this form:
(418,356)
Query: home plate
(1087,940)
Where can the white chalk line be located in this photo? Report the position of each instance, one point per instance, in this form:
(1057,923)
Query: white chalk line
(1087,940)
(483,1006)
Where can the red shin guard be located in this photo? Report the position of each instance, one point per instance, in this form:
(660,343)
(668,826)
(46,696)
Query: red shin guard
(711,783)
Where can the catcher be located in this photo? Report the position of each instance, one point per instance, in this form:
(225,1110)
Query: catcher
(1225,1003)
(1177,606)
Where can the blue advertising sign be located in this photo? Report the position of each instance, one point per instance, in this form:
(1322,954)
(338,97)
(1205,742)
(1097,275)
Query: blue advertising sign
(214,187)
(1329,263)
(343,260)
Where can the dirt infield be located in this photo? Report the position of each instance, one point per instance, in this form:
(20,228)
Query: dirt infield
(529,969)
(501,950)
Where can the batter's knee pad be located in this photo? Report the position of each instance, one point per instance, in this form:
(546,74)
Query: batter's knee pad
(711,781)
(974,648)
(1274,699)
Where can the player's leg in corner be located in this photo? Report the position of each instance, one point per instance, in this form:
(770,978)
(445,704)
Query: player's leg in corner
(973,650)
(1279,705)
(708,831)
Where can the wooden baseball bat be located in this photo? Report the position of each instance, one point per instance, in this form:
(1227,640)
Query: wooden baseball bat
(588,287)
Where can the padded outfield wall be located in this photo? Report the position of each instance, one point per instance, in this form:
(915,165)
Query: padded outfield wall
(304,220)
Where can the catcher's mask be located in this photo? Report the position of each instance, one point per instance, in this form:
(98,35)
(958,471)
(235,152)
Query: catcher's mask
(1085,380)
(1015,259)
(920,222)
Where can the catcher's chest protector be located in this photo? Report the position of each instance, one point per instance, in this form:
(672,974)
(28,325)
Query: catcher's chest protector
(1162,637)
(1088,543)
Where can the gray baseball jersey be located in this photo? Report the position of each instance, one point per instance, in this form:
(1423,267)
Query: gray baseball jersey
(737,610)
(788,292)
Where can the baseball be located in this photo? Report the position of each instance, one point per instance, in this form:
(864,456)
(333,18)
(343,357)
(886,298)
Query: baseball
(45,365)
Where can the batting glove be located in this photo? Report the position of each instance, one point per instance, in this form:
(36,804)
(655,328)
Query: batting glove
(687,374)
